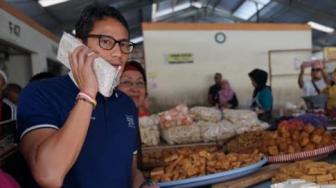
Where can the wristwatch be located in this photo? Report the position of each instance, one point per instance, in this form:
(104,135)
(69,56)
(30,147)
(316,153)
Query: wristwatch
(148,182)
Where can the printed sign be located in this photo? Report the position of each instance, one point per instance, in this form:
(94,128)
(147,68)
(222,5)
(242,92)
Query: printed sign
(329,53)
(180,58)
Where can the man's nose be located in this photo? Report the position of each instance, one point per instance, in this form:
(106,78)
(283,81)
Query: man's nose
(116,51)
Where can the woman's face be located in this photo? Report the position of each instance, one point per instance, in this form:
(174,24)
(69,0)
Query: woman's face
(253,83)
(132,83)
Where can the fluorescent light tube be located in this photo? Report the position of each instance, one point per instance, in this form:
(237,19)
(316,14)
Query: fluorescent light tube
(137,39)
(47,3)
(321,27)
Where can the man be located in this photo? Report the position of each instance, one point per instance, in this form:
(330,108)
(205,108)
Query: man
(318,81)
(213,97)
(71,135)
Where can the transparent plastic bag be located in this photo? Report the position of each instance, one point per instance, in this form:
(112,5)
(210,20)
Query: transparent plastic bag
(209,114)
(215,131)
(149,131)
(182,134)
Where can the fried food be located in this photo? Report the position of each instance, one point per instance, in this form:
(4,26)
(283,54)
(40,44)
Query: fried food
(317,172)
(186,162)
(285,140)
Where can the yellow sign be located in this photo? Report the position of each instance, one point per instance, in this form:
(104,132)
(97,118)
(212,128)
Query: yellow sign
(180,58)
(329,53)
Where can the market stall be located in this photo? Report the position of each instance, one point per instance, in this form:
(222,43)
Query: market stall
(188,147)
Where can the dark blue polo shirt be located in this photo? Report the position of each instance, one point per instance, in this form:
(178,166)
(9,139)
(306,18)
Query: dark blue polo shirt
(106,156)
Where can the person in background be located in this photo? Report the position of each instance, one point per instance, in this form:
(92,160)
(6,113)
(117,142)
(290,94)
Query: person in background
(71,135)
(262,99)
(42,76)
(6,114)
(133,83)
(318,81)
(10,98)
(12,92)
(213,97)
(227,97)
(330,91)
(7,111)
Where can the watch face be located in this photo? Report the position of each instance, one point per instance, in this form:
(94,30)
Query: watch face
(220,37)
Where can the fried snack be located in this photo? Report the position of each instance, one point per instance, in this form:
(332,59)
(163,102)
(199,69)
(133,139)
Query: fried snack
(317,172)
(309,128)
(187,162)
(324,178)
(316,138)
(308,178)
(282,141)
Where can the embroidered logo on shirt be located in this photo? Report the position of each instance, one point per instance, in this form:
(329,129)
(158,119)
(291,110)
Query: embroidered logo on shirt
(130,121)
(93,118)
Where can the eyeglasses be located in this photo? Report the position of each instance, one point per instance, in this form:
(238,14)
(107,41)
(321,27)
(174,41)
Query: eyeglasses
(126,83)
(315,70)
(108,42)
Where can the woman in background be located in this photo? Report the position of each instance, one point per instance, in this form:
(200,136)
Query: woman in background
(227,97)
(262,99)
(133,83)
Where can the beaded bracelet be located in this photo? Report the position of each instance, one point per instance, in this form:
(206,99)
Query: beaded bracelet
(87,98)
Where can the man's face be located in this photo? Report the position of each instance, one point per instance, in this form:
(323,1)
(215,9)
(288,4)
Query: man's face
(218,79)
(316,73)
(109,27)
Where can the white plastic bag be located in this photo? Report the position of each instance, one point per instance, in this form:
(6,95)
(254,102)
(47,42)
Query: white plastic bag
(215,131)
(182,134)
(149,131)
(209,114)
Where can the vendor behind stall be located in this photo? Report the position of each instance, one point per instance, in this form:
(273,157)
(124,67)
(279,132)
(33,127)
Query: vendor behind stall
(133,83)
(318,81)
(262,99)
(213,97)
(227,97)
(222,87)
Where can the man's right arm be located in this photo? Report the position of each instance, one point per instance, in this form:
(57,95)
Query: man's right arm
(51,153)
(300,79)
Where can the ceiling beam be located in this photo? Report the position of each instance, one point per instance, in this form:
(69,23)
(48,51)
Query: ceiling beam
(175,16)
(237,6)
(134,5)
(224,13)
(316,13)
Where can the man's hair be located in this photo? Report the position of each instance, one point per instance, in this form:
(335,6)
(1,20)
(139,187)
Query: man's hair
(218,74)
(96,12)
(11,87)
